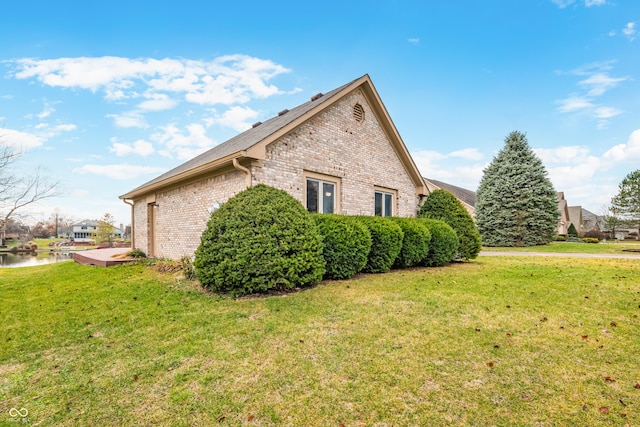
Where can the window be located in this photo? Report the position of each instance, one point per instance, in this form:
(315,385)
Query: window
(321,196)
(383,203)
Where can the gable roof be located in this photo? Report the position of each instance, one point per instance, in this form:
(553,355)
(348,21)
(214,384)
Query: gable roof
(462,194)
(252,143)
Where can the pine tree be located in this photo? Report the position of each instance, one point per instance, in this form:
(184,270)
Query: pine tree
(516,203)
(572,232)
(443,205)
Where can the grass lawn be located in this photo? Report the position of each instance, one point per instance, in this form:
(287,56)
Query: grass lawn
(534,341)
(570,247)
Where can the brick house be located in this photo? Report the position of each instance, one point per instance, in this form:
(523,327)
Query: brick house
(339,152)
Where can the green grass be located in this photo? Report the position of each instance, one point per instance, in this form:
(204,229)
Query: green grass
(497,341)
(570,247)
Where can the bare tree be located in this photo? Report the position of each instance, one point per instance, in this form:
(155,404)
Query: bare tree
(19,191)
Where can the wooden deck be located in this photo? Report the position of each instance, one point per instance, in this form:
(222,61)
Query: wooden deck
(102,257)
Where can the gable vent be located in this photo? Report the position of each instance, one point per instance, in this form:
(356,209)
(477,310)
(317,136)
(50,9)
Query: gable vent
(283,112)
(317,96)
(256,124)
(358,113)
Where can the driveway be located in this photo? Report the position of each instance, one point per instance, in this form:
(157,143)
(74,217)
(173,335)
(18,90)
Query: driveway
(560,254)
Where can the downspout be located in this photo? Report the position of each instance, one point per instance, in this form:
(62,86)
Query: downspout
(248,178)
(133,234)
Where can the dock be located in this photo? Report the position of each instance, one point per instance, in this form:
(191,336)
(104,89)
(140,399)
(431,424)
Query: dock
(102,257)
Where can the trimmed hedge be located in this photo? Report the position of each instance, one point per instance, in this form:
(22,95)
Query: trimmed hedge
(260,239)
(386,243)
(346,245)
(415,242)
(444,243)
(443,205)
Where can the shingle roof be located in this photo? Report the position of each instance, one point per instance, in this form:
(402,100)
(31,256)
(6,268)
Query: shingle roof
(248,138)
(467,196)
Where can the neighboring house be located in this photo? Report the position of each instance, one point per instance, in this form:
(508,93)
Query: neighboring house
(563,221)
(575,218)
(466,197)
(337,153)
(591,221)
(84,231)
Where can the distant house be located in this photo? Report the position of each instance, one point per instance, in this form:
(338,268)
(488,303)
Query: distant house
(84,231)
(592,222)
(466,197)
(563,221)
(337,153)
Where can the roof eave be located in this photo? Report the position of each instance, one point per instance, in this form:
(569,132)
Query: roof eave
(189,174)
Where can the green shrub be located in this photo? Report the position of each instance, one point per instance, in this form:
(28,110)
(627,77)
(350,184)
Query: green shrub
(590,240)
(346,245)
(386,242)
(136,253)
(444,243)
(443,205)
(595,233)
(415,242)
(561,238)
(573,239)
(259,240)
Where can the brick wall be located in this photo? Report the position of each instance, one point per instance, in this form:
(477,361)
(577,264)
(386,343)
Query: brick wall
(182,214)
(333,143)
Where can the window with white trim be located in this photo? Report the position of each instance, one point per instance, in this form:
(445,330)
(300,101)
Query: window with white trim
(321,196)
(383,203)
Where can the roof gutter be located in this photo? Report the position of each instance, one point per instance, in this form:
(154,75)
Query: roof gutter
(133,234)
(248,178)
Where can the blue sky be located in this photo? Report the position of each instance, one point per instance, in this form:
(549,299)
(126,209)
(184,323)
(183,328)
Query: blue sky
(106,96)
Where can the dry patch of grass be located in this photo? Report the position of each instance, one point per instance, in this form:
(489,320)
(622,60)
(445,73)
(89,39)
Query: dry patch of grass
(496,341)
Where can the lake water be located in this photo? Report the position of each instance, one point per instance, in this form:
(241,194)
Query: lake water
(8,260)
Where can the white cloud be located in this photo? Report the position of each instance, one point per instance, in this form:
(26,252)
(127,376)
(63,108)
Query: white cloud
(19,141)
(630,31)
(563,3)
(588,3)
(468,154)
(157,102)
(237,118)
(119,171)
(573,103)
(599,82)
(606,112)
(129,119)
(449,168)
(183,145)
(626,152)
(414,40)
(231,79)
(139,147)
(46,112)
(567,154)
(65,127)
(596,82)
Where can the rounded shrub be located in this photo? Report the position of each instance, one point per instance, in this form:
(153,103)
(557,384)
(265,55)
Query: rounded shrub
(443,205)
(415,242)
(444,243)
(261,239)
(386,242)
(590,240)
(346,245)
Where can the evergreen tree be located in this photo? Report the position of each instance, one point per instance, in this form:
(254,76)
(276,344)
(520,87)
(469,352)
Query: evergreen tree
(516,203)
(572,232)
(627,201)
(444,206)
